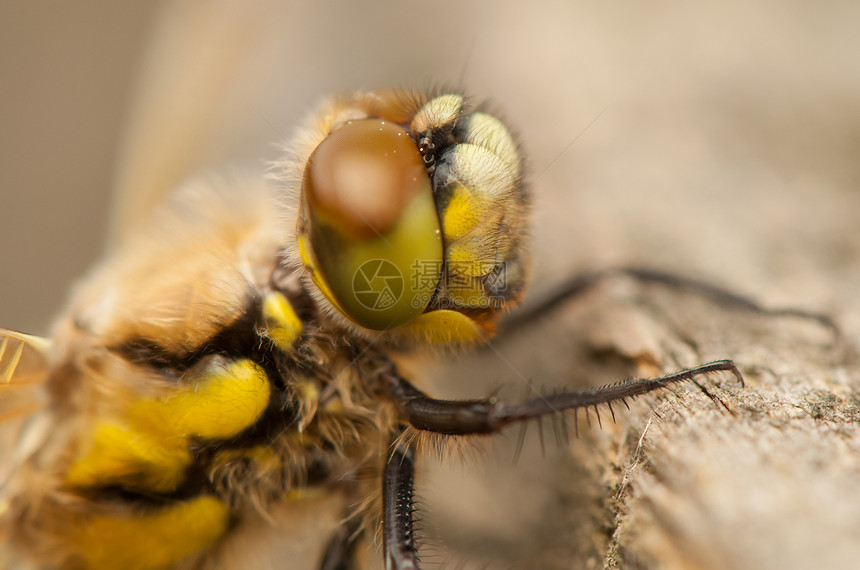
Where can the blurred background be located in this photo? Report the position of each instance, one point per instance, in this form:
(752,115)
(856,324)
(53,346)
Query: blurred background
(720,139)
(717,140)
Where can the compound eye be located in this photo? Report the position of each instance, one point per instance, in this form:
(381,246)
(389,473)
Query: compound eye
(369,231)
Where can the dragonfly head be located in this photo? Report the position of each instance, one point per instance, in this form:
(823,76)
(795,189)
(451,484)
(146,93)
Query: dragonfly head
(413,215)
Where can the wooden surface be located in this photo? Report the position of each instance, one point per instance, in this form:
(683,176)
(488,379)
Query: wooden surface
(761,476)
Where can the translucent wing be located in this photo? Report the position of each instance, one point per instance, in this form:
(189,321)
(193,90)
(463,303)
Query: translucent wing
(22,360)
(23,371)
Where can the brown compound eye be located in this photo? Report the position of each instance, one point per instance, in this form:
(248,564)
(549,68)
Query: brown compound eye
(363,176)
(369,221)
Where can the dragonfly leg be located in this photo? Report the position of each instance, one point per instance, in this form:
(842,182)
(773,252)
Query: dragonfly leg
(398,506)
(462,417)
(545,303)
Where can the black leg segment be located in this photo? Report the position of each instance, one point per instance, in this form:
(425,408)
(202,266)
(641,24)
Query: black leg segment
(397,507)
(463,417)
(578,284)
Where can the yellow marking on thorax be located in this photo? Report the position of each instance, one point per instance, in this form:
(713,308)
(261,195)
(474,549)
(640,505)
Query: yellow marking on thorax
(147,542)
(149,450)
(223,403)
(283,326)
(123,455)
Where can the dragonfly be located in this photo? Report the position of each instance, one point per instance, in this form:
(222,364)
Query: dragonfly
(242,349)
(238,355)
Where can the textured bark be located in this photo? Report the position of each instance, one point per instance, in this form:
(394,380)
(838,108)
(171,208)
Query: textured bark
(761,476)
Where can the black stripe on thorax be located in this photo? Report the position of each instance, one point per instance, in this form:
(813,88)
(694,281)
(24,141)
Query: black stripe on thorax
(238,339)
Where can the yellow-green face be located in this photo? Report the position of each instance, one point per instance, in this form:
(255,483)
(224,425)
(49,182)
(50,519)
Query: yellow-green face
(412,216)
